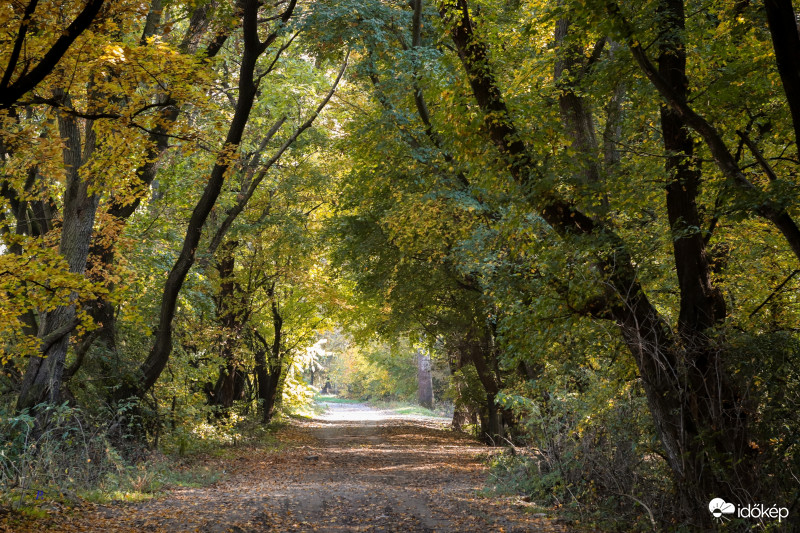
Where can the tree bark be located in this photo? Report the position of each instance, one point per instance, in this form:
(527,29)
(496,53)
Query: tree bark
(786,43)
(232,315)
(476,348)
(43,377)
(702,306)
(268,373)
(424,380)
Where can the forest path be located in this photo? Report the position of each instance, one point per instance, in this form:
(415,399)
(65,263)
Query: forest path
(357,469)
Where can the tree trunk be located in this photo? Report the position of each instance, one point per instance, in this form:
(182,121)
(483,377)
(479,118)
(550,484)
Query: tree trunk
(268,376)
(460,411)
(707,390)
(786,43)
(269,373)
(424,380)
(43,377)
(229,388)
(162,346)
(477,349)
(576,114)
(232,314)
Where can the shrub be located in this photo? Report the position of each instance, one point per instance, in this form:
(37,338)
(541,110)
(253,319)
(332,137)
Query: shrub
(592,453)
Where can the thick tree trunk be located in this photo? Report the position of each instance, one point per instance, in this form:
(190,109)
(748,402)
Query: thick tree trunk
(424,380)
(230,387)
(702,305)
(706,387)
(268,376)
(786,43)
(461,413)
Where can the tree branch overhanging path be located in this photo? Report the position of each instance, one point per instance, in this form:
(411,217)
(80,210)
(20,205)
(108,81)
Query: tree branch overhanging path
(151,369)
(571,225)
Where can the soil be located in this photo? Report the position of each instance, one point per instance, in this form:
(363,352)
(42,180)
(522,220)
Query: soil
(355,469)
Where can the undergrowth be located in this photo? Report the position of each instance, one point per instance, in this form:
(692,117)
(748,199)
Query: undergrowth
(65,455)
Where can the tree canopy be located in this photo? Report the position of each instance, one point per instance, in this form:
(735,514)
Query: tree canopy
(585,213)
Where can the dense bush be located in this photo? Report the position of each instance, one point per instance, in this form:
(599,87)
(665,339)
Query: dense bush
(592,454)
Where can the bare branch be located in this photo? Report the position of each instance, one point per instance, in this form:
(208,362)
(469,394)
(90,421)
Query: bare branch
(757,154)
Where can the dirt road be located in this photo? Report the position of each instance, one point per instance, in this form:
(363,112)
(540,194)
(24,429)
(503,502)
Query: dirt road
(358,469)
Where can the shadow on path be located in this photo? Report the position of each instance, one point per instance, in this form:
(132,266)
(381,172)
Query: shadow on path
(359,469)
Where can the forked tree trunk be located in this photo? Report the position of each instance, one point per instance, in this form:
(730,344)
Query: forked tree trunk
(229,388)
(268,376)
(496,421)
(268,373)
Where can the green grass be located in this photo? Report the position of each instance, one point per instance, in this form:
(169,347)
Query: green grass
(407,408)
(415,410)
(104,497)
(441,410)
(149,479)
(184,459)
(32,511)
(401,408)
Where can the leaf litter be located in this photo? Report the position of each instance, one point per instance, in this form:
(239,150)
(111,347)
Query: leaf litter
(345,471)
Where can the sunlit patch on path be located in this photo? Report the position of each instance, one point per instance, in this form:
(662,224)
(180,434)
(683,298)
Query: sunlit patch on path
(358,412)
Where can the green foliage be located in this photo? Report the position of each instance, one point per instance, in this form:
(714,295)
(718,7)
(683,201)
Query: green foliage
(373,373)
(378,371)
(395,223)
(765,365)
(591,451)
